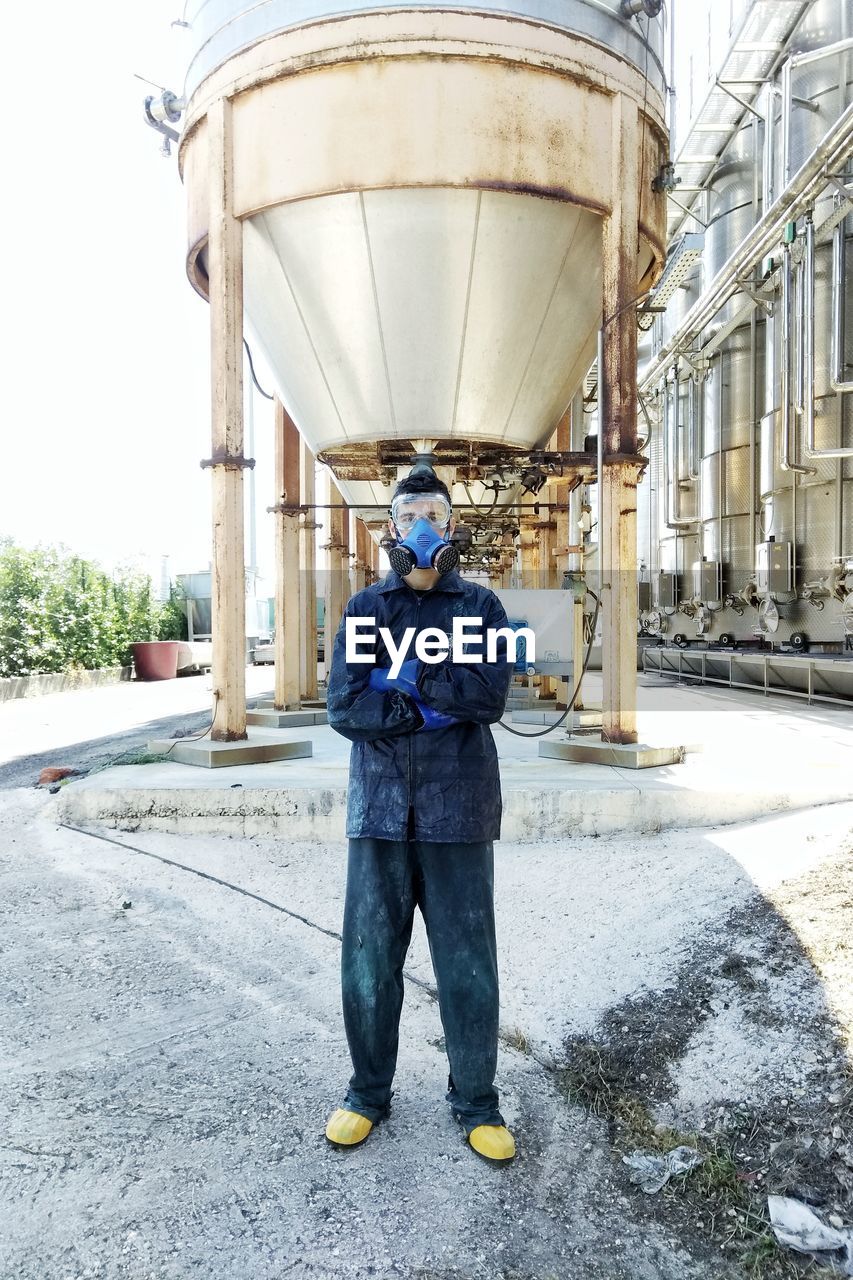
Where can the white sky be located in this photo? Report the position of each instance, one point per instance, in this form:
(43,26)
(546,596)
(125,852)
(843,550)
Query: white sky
(105,385)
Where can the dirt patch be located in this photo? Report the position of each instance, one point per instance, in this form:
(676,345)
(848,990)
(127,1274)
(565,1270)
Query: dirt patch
(747,1058)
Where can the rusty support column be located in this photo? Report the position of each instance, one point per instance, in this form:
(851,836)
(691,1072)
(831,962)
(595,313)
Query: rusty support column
(363,556)
(228,585)
(528,554)
(560,552)
(575,434)
(308,576)
(545,577)
(337,576)
(288,617)
(618,424)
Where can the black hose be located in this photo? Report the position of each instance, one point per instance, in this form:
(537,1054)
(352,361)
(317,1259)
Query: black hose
(540,733)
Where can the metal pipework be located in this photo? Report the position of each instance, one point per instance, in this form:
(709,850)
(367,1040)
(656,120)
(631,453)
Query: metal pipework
(808,327)
(649,7)
(828,157)
(692,429)
(768,178)
(839,263)
(785,368)
(785,86)
(672,517)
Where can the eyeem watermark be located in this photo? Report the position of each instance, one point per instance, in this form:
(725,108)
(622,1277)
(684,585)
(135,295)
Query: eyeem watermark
(433,645)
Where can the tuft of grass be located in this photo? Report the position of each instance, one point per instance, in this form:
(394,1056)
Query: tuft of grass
(131,757)
(516,1039)
(720,1193)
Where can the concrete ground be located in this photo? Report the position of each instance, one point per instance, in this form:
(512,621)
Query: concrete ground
(172,1038)
(746,756)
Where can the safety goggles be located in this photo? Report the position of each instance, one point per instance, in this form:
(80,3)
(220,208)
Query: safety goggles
(408,508)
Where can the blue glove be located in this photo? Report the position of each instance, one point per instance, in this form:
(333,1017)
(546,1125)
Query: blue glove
(379,679)
(433,719)
(407,680)
(404,682)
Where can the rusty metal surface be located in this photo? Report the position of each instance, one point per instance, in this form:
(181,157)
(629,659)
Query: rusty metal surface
(222,28)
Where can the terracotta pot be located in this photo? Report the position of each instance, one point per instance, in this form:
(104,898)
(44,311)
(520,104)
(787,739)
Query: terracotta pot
(156,659)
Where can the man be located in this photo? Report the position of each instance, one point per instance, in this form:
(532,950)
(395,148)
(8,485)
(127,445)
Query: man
(424,806)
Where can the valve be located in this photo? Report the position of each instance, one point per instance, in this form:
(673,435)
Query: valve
(651,8)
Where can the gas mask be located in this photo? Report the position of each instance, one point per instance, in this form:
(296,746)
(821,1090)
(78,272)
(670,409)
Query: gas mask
(421,521)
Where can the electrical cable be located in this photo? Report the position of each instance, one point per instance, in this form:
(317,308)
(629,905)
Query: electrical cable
(195,737)
(540,733)
(235,888)
(482,511)
(265,394)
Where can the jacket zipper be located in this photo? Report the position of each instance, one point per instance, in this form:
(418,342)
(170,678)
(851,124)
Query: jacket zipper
(409,794)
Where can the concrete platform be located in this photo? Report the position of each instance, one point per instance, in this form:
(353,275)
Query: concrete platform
(588,719)
(268,704)
(272,719)
(590,749)
(261,747)
(749,757)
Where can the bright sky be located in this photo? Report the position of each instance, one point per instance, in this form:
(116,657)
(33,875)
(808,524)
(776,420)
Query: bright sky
(106,372)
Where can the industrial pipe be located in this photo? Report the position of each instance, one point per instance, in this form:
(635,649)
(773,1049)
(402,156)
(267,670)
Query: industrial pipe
(768,178)
(808,327)
(785,369)
(692,429)
(785,86)
(672,517)
(828,157)
(839,263)
(651,8)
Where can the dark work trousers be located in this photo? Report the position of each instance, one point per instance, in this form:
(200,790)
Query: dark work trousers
(453,886)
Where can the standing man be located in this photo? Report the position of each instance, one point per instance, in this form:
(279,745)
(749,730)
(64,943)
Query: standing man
(424,806)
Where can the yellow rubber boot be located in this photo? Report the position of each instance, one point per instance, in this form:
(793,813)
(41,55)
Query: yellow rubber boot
(493,1142)
(348,1129)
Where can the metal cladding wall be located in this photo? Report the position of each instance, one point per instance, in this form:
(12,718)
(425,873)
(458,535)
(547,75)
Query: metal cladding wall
(760,480)
(422,193)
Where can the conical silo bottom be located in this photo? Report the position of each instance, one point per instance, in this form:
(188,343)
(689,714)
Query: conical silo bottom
(448,313)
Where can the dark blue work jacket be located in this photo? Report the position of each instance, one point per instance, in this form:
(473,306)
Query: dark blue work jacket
(447,777)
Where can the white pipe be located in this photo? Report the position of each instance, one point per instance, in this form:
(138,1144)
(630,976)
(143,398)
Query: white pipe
(799,338)
(816,55)
(693,430)
(808,349)
(673,519)
(785,368)
(769,146)
(839,262)
(786,121)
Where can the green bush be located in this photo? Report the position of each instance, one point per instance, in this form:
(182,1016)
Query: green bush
(58,612)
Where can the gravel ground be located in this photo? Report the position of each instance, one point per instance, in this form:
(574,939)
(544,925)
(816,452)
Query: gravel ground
(171,1049)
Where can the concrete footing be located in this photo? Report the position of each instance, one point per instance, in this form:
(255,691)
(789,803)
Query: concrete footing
(313,704)
(261,747)
(272,719)
(630,755)
(574,720)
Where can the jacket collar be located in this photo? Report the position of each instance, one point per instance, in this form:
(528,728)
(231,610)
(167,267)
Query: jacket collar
(450,582)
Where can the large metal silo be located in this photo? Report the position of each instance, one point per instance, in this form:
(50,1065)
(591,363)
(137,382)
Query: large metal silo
(421,192)
(728,442)
(422,214)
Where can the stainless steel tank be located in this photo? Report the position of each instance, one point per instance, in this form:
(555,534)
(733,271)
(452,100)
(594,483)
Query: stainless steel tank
(422,191)
(812,509)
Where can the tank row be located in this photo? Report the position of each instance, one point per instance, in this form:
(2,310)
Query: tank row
(746,514)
